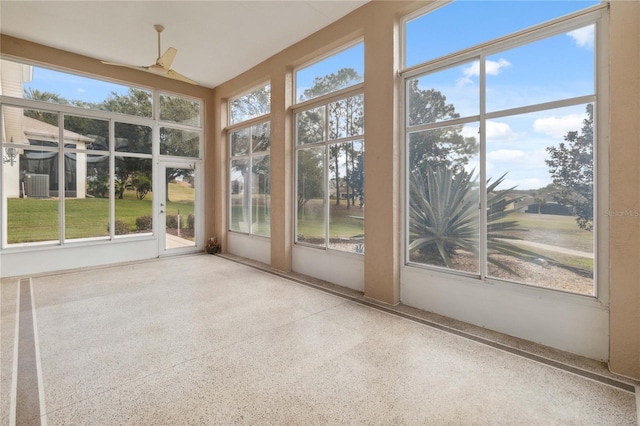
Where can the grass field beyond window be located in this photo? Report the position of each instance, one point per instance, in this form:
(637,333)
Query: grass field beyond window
(32,220)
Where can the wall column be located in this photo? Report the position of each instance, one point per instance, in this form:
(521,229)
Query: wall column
(281,169)
(382,161)
(624,238)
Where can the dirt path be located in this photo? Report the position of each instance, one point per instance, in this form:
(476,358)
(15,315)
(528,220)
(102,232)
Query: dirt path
(551,248)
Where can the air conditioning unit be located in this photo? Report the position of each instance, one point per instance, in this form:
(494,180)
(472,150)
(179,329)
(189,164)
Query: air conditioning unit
(36,186)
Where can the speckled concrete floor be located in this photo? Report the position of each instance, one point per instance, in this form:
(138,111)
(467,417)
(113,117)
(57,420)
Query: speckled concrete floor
(204,340)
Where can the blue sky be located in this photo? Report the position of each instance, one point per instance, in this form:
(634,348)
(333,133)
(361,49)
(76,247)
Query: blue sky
(73,87)
(552,69)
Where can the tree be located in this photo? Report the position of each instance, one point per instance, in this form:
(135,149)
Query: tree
(346,118)
(356,177)
(310,176)
(253,104)
(441,147)
(571,168)
(344,77)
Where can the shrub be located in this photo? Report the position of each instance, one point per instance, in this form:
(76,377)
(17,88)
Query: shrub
(190,221)
(142,184)
(172,221)
(144,223)
(443,212)
(122,227)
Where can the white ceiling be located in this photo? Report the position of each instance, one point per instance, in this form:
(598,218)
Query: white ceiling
(216,40)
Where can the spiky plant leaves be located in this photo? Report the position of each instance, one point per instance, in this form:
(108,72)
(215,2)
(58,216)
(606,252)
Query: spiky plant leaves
(444,212)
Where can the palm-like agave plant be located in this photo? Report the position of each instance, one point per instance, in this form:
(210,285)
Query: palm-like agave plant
(443,213)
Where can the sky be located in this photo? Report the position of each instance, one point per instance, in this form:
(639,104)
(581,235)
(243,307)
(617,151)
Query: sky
(552,69)
(73,87)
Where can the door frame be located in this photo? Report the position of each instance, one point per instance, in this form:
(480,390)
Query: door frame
(160,201)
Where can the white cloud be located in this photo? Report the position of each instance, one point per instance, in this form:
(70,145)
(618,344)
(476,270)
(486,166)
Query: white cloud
(470,131)
(507,156)
(494,68)
(500,132)
(583,37)
(496,132)
(80,90)
(557,127)
(491,68)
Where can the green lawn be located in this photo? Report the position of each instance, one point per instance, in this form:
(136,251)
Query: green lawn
(31,219)
(344,222)
(559,231)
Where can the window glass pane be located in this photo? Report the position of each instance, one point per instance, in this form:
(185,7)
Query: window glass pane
(260,137)
(337,72)
(179,143)
(437,33)
(346,196)
(443,198)
(541,210)
(251,193)
(450,147)
(30,185)
(310,197)
(87,195)
(346,117)
(261,196)
(133,138)
(240,142)
(310,126)
(240,204)
(180,205)
(84,133)
(444,95)
(179,110)
(552,69)
(29,126)
(69,89)
(251,105)
(133,192)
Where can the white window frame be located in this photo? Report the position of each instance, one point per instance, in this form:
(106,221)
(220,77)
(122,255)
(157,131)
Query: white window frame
(112,117)
(355,90)
(249,156)
(568,321)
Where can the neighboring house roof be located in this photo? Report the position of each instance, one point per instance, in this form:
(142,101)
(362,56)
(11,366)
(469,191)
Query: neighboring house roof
(36,129)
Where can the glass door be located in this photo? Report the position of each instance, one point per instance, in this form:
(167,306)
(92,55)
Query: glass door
(178,208)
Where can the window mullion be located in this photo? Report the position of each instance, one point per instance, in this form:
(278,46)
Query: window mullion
(249,188)
(61,179)
(327,162)
(483,208)
(112,180)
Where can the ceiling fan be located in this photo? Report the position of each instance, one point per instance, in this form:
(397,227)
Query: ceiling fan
(163,63)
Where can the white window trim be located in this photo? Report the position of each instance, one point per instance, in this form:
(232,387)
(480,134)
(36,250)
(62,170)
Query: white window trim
(113,118)
(318,59)
(325,100)
(568,321)
(246,125)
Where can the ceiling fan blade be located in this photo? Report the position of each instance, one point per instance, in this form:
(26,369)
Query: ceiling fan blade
(163,63)
(135,67)
(180,77)
(166,59)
